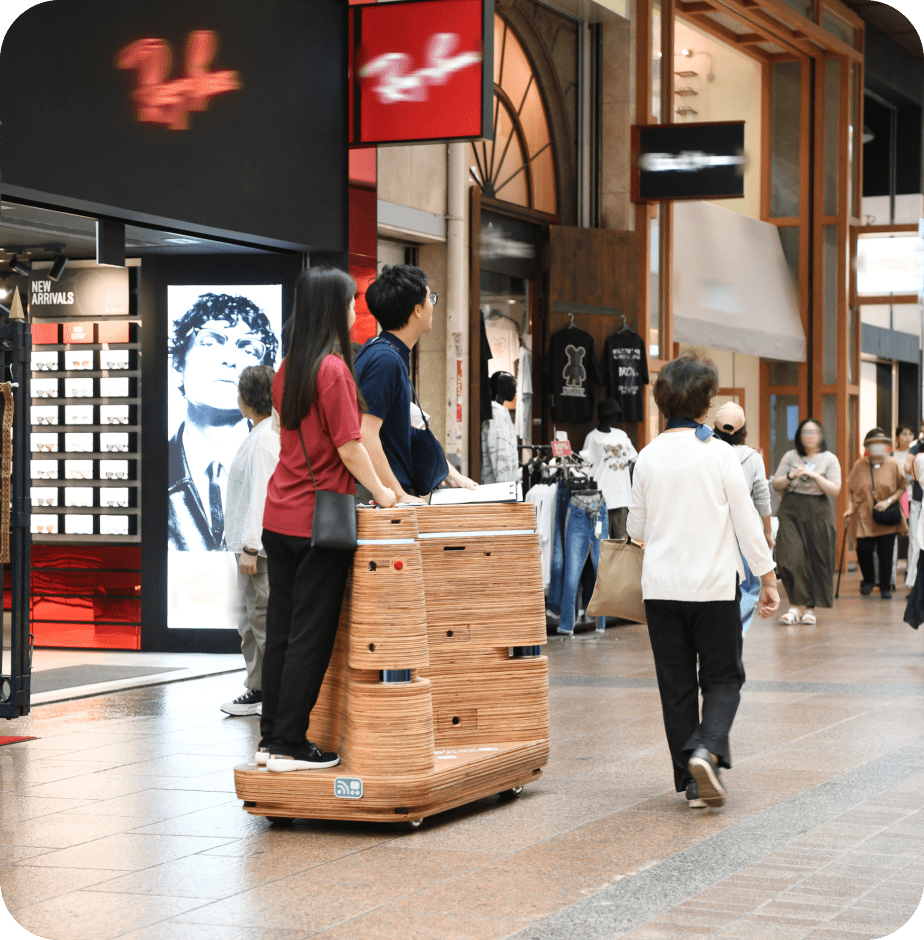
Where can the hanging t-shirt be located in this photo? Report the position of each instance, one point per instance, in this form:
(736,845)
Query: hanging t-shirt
(625,362)
(504,337)
(572,369)
(609,454)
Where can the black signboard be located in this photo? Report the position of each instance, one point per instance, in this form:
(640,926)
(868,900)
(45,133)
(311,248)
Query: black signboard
(688,161)
(84,289)
(217,117)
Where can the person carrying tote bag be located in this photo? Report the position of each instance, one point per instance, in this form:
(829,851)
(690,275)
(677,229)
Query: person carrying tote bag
(692,509)
(316,397)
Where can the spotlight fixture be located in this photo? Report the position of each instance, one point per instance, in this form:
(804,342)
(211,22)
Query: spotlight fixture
(21,267)
(57,268)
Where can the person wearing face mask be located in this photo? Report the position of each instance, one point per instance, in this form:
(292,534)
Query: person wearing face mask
(876,481)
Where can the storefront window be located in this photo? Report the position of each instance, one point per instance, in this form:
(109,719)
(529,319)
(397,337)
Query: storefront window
(518,166)
(829,420)
(834,25)
(830,261)
(784,419)
(831,128)
(784,139)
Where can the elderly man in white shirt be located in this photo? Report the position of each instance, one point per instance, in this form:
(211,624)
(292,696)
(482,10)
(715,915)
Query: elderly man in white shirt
(692,508)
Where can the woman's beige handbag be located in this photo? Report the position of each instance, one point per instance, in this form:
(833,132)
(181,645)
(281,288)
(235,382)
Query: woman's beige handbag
(618,591)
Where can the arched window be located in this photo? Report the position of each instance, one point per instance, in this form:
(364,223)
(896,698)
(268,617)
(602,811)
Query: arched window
(518,166)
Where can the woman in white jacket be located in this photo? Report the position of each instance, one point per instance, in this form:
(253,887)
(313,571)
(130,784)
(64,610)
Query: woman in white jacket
(692,509)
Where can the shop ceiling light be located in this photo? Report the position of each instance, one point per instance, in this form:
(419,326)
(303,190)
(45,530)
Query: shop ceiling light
(57,269)
(21,267)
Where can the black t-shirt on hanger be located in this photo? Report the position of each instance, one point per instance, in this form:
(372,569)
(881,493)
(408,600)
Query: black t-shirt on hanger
(625,362)
(572,369)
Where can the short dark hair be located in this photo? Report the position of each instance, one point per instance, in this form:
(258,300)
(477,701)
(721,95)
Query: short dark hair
(228,308)
(736,437)
(903,427)
(394,294)
(686,386)
(255,386)
(797,438)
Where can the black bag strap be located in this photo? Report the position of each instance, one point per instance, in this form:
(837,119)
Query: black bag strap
(305,449)
(377,341)
(872,478)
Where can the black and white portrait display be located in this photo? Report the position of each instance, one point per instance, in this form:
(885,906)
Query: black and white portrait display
(214,333)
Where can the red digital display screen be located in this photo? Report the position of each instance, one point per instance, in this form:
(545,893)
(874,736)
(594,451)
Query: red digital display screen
(419,71)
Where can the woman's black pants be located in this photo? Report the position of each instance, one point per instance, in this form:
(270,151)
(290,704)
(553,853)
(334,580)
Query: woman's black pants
(306,593)
(884,546)
(682,632)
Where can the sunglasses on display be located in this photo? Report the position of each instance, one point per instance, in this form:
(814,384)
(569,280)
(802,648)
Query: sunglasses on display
(43,447)
(44,502)
(80,475)
(45,475)
(81,393)
(116,365)
(76,503)
(117,502)
(116,474)
(79,450)
(45,367)
(117,447)
(46,421)
(117,420)
(40,529)
(81,366)
(46,393)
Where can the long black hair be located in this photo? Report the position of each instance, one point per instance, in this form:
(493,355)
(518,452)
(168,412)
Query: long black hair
(319,328)
(797,438)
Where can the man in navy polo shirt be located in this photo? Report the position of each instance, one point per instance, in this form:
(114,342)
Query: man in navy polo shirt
(402,303)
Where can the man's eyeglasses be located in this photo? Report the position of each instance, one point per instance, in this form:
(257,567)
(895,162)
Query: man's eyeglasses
(434,297)
(212,339)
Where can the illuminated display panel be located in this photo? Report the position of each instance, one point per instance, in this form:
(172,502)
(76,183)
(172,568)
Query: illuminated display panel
(418,70)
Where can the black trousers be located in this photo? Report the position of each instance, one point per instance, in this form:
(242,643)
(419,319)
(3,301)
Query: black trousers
(884,545)
(306,593)
(682,632)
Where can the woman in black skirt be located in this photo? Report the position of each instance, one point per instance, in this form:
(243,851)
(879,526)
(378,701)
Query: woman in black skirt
(805,542)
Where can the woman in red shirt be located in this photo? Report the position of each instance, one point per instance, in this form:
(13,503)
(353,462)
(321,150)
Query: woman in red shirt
(315,393)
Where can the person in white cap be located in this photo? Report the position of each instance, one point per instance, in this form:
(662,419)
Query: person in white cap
(730,427)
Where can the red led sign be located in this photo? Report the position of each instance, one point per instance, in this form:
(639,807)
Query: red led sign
(169,102)
(421,70)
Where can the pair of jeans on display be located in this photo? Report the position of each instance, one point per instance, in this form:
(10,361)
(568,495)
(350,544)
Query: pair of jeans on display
(581,522)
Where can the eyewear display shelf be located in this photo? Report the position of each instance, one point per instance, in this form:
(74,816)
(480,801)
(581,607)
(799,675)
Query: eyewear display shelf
(438,658)
(104,467)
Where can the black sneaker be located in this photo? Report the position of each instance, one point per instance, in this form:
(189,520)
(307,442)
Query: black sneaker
(247,704)
(886,594)
(866,587)
(284,757)
(705,773)
(693,800)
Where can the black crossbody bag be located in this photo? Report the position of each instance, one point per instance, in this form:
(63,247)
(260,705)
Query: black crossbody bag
(890,516)
(428,459)
(334,524)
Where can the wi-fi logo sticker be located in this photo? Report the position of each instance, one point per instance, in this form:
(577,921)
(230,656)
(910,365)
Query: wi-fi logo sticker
(348,788)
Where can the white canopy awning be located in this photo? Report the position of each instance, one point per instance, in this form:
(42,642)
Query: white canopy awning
(732,287)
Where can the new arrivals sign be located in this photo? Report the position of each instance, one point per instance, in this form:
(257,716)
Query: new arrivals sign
(80,292)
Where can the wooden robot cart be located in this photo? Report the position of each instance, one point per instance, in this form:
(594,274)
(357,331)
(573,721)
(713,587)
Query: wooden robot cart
(437,692)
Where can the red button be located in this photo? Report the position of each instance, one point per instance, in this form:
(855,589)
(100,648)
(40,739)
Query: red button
(398,565)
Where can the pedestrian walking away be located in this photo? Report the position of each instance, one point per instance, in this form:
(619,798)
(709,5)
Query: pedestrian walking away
(692,508)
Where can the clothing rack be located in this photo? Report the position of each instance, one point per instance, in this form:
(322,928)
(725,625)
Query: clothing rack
(570,471)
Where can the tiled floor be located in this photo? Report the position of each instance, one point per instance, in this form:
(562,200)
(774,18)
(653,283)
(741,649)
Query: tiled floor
(121,820)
